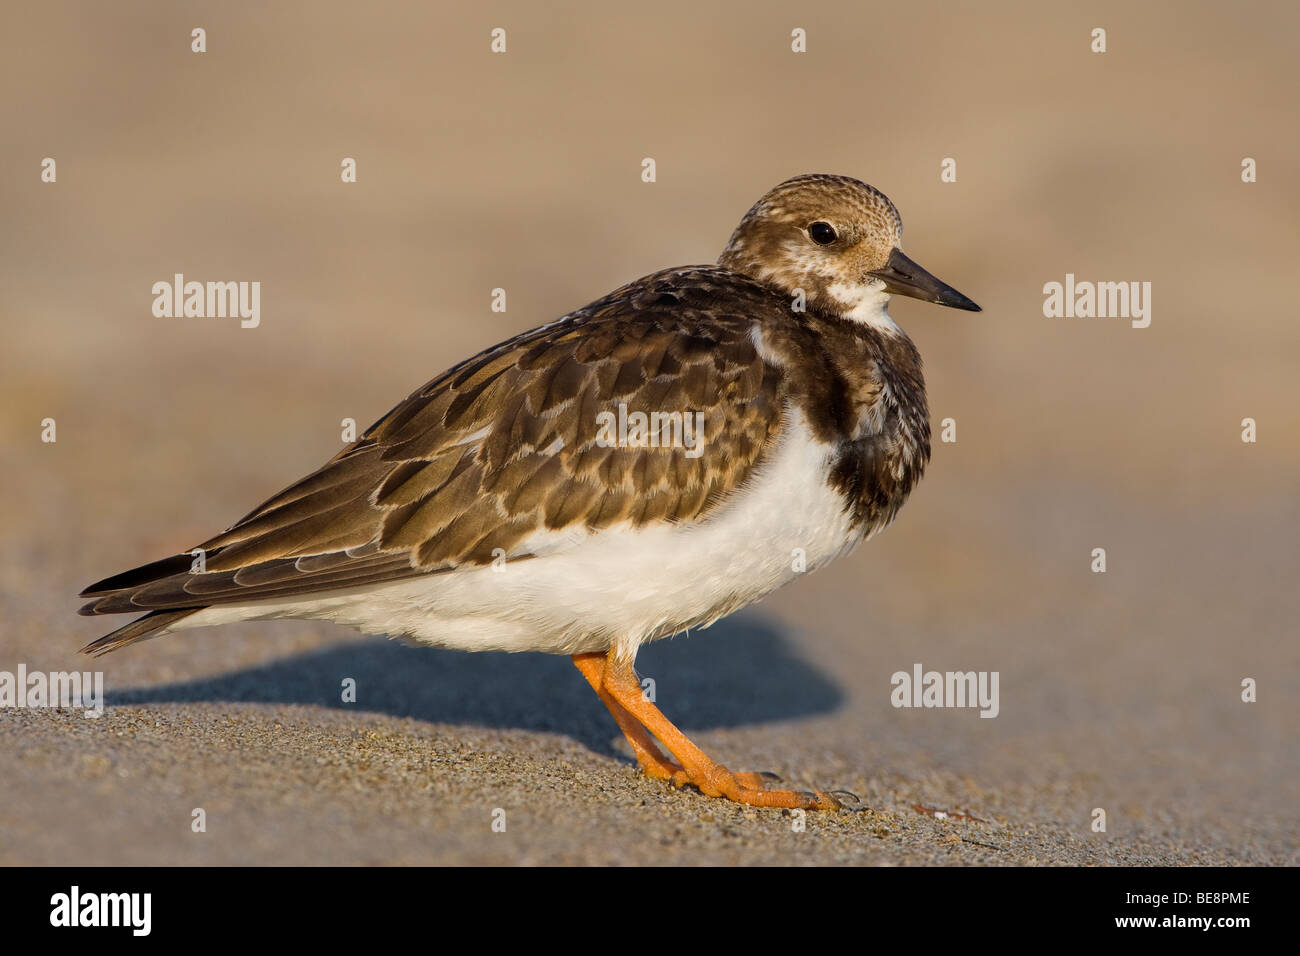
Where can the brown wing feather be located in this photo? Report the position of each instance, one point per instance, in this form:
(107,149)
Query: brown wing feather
(504,445)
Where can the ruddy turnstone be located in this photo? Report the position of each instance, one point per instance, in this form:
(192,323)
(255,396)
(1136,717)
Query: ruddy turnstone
(550,493)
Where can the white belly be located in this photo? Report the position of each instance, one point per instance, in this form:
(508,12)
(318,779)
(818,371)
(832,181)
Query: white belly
(619,587)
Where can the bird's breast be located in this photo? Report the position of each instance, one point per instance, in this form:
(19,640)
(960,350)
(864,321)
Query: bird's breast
(883,446)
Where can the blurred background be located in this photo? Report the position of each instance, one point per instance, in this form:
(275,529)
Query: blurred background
(522,171)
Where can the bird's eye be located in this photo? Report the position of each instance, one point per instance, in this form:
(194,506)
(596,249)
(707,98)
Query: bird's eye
(822,233)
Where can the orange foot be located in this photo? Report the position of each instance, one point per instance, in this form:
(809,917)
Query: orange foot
(641,722)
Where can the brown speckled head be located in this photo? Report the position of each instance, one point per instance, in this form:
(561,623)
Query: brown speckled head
(838,240)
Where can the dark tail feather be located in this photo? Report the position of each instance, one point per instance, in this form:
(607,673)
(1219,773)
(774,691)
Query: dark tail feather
(141,629)
(144,574)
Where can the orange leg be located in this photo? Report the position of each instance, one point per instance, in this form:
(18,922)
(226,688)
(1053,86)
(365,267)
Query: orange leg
(648,754)
(616,684)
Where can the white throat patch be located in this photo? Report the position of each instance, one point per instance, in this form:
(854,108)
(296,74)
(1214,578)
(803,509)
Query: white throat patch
(866,304)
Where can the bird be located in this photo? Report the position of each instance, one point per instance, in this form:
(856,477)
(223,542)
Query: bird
(642,466)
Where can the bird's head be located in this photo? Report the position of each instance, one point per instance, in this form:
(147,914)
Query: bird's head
(838,240)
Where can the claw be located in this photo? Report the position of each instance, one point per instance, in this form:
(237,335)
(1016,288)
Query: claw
(847,799)
(756,779)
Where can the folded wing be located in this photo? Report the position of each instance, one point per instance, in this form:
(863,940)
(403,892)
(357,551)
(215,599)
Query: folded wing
(507,454)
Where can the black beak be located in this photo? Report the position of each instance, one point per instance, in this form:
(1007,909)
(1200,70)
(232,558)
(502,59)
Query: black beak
(902,276)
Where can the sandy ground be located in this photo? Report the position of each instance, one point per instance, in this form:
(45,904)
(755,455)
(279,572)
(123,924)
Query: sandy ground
(1119,691)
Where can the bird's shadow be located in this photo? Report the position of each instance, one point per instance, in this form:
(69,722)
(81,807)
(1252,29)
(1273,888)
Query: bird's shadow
(740,671)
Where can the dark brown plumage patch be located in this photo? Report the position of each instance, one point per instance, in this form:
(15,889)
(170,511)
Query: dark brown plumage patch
(877,471)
